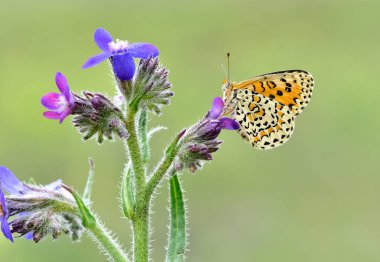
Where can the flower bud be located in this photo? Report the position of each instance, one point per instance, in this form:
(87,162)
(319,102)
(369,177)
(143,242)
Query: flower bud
(96,114)
(152,86)
(200,140)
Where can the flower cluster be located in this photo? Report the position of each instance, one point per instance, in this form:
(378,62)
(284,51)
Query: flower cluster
(94,113)
(200,141)
(37,211)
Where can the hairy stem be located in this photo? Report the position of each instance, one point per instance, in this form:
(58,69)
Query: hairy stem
(135,155)
(140,221)
(141,235)
(166,162)
(108,244)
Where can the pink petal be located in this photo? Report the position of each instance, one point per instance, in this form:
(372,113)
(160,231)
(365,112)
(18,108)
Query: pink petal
(51,101)
(217,108)
(52,115)
(62,85)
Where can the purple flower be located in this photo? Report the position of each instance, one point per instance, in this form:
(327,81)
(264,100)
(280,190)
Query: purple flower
(201,141)
(211,126)
(121,52)
(9,183)
(59,105)
(4,217)
(216,111)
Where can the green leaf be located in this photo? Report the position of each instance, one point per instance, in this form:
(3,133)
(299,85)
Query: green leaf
(88,220)
(127,194)
(90,181)
(177,235)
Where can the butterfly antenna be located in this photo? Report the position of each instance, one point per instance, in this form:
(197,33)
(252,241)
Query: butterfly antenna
(224,69)
(228,67)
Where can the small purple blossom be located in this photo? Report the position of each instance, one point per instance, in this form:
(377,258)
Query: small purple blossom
(211,126)
(201,139)
(216,111)
(121,52)
(59,105)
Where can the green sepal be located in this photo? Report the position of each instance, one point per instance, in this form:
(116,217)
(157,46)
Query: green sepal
(177,234)
(88,220)
(127,194)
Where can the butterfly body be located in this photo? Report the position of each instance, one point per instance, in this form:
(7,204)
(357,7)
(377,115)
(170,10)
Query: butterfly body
(266,106)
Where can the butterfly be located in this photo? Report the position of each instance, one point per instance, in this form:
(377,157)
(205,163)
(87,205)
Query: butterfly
(266,106)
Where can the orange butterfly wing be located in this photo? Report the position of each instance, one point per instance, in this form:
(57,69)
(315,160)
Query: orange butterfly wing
(292,88)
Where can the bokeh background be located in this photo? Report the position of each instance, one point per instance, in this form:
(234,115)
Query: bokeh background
(314,199)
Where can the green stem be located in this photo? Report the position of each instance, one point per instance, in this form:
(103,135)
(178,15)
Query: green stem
(135,155)
(166,162)
(140,221)
(141,235)
(108,244)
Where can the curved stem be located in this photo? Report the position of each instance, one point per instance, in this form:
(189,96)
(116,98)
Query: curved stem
(170,154)
(105,241)
(108,244)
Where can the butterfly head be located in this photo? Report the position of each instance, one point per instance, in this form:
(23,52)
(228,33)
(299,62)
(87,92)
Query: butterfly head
(228,92)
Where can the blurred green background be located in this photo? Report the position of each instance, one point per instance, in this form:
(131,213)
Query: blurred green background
(314,199)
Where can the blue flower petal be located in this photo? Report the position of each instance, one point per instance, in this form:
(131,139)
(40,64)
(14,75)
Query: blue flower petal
(29,236)
(92,61)
(216,109)
(9,182)
(230,124)
(3,219)
(6,229)
(123,66)
(143,50)
(102,38)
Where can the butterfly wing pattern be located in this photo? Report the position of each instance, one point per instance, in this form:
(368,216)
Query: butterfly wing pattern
(266,106)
